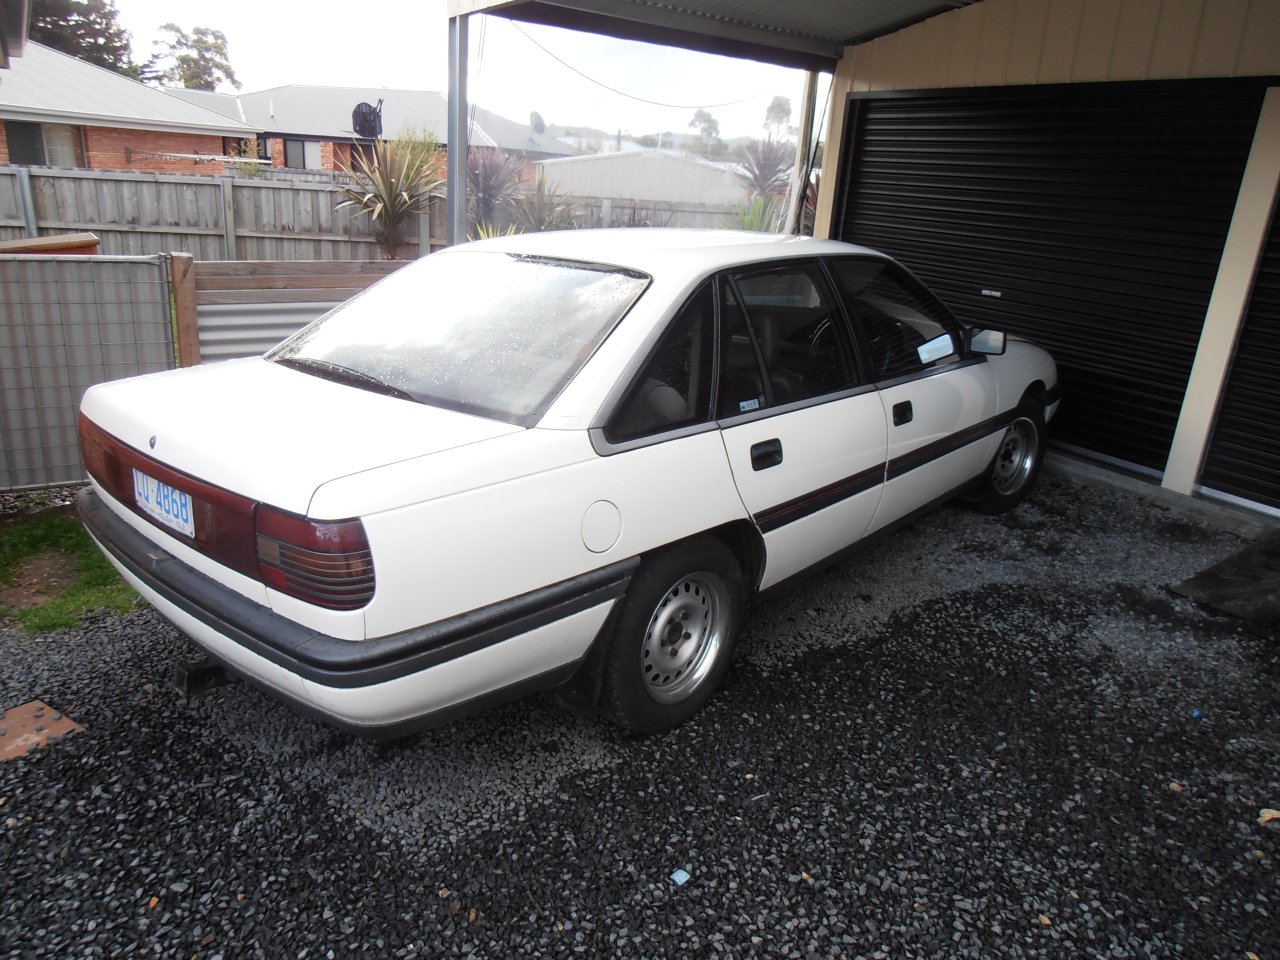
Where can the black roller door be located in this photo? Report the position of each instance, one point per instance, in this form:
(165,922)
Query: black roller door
(1090,217)
(1244,454)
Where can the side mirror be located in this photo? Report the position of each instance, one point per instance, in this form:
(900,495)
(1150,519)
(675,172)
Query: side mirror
(990,343)
(936,349)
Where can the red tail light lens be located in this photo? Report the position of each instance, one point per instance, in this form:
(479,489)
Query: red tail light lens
(328,564)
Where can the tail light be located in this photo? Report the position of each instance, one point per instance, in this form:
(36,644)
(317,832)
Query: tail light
(328,564)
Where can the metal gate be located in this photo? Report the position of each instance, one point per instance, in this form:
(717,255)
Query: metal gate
(1244,454)
(1090,217)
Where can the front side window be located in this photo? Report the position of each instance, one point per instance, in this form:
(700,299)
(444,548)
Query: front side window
(493,334)
(798,333)
(741,379)
(897,315)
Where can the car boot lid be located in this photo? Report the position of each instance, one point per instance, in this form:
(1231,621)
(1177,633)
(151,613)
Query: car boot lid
(272,433)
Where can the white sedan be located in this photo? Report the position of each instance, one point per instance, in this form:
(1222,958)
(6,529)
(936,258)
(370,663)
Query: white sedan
(561,460)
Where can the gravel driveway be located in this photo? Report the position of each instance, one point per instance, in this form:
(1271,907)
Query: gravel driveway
(983,737)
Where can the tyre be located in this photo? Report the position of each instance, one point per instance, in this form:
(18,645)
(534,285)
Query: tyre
(1014,469)
(675,636)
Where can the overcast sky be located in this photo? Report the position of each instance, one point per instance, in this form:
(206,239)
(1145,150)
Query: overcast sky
(404,44)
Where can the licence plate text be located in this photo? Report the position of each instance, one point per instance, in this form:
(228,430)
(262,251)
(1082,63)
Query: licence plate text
(163,503)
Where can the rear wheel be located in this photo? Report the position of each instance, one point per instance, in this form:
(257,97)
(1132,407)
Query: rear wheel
(675,636)
(1016,465)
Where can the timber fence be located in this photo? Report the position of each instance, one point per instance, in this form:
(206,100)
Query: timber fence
(211,218)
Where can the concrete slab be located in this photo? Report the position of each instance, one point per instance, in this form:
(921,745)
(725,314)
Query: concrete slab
(1247,524)
(1245,585)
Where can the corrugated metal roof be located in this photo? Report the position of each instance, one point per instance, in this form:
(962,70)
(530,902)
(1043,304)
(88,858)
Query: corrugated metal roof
(648,176)
(46,86)
(325,113)
(227,105)
(796,33)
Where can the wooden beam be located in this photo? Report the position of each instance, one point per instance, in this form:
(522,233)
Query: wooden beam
(288,282)
(86,243)
(182,273)
(206,269)
(309,295)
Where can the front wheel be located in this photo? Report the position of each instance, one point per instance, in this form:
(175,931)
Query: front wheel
(675,635)
(1013,471)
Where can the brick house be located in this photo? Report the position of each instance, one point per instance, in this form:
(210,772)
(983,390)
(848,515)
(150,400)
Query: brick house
(58,111)
(313,128)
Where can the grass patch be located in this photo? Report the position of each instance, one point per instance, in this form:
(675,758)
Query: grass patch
(96,585)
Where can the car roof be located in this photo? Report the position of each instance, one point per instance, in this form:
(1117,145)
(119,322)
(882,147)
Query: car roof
(660,249)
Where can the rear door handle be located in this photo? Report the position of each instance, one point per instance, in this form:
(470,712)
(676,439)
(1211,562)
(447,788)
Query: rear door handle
(902,413)
(766,454)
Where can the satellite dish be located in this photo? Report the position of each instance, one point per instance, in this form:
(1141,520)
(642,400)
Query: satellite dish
(366,121)
(535,120)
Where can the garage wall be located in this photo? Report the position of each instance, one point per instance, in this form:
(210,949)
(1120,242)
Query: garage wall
(1012,42)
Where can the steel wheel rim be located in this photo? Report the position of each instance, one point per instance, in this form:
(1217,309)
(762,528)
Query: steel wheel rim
(1016,457)
(683,638)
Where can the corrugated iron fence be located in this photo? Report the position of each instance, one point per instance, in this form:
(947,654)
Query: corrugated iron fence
(67,323)
(244,309)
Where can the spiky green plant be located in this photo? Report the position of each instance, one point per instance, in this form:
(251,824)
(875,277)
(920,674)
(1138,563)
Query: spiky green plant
(487,231)
(493,182)
(761,215)
(394,182)
(544,209)
(764,166)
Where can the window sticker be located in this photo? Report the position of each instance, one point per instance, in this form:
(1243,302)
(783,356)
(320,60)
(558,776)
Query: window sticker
(748,405)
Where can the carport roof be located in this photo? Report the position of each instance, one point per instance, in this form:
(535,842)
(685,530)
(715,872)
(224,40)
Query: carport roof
(810,34)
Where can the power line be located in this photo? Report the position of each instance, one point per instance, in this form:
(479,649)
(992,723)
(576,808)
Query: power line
(629,96)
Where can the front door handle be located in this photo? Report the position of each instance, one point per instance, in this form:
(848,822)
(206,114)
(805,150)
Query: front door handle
(766,454)
(902,413)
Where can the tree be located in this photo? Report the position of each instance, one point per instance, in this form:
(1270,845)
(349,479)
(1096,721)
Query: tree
(85,29)
(393,184)
(708,128)
(778,117)
(196,60)
(764,167)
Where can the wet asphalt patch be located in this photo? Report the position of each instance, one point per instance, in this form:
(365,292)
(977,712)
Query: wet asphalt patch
(981,738)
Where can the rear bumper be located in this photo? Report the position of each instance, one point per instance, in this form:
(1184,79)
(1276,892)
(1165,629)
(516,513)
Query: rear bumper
(374,688)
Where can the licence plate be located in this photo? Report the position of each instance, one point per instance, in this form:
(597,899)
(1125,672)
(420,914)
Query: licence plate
(163,503)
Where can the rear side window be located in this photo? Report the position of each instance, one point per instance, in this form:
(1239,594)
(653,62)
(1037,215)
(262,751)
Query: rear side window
(674,388)
(896,314)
